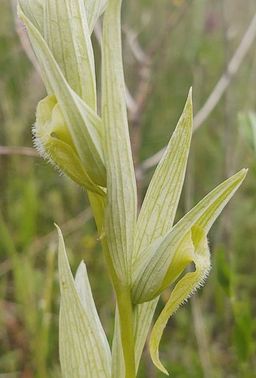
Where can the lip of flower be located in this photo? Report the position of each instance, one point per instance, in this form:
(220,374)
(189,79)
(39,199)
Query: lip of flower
(55,144)
(50,122)
(182,258)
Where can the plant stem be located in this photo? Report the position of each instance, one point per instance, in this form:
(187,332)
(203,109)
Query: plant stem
(122,292)
(125,311)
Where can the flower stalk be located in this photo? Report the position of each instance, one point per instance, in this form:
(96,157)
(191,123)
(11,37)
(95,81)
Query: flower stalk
(144,253)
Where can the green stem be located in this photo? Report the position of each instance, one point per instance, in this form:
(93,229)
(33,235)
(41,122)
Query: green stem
(125,311)
(122,292)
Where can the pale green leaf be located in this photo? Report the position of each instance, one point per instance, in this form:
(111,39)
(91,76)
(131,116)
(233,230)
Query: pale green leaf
(143,316)
(84,350)
(67,34)
(83,123)
(163,263)
(34,11)
(161,201)
(159,208)
(85,294)
(118,366)
(95,9)
(122,201)
(182,291)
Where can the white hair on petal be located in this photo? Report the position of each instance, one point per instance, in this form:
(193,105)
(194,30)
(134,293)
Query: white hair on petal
(39,146)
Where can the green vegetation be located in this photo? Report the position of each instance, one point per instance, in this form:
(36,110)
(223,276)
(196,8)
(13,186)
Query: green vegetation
(212,336)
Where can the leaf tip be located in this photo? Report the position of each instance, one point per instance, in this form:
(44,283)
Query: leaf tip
(190,92)
(81,270)
(189,103)
(154,353)
(160,366)
(242,174)
(58,230)
(62,250)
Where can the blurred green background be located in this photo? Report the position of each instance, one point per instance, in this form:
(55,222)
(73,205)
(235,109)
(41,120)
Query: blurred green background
(169,45)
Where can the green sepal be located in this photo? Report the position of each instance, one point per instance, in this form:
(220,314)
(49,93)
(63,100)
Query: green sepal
(83,346)
(182,290)
(54,143)
(34,10)
(162,197)
(83,123)
(65,24)
(165,258)
(158,211)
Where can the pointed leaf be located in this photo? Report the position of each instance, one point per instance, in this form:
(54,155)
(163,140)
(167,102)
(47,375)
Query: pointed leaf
(84,351)
(154,276)
(84,125)
(143,316)
(181,292)
(122,201)
(85,294)
(67,34)
(161,201)
(159,208)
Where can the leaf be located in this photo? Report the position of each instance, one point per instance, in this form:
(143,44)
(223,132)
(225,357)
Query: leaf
(34,10)
(83,123)
(166,257)
(118,366)
(95,8)
(143,316)
(84,291)
(159,208)
(84,350)
(122,195)
(67,35)
(182,291)
(161,201)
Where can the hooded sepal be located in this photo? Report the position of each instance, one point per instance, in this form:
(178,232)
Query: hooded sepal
(65,24)
(83,123)
(169,255)
(54,143)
